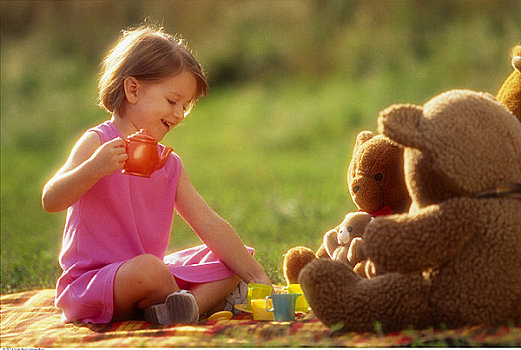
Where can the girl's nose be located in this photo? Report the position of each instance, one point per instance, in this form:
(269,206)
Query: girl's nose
(179,112)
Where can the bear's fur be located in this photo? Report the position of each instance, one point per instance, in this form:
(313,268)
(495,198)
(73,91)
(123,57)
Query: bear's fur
(375,179)
(455,258)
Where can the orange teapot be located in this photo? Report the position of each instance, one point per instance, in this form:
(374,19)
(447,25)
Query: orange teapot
(143,158)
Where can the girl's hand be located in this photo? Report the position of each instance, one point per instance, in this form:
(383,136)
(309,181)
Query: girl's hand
(263,279)
(109,157)
(88,162)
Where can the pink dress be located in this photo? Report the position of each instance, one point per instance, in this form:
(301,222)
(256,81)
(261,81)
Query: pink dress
(119,218)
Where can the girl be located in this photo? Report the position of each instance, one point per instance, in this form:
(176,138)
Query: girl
(118,226)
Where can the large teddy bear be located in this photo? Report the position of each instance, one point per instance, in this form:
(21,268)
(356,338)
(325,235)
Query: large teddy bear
(376,182)
(455,258)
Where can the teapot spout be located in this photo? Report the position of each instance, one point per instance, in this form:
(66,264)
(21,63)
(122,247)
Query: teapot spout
(164,157)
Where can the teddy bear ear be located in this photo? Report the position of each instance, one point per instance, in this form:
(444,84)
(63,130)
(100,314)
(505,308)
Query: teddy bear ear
(401,123)
(516,58)
(361,138)
(516,63)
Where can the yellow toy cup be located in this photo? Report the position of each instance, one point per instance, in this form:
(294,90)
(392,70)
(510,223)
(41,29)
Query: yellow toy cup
(257,291)
(302,303)
(259,310)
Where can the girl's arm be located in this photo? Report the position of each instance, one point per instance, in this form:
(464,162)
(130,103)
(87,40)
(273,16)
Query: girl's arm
(87,163)
(217,233)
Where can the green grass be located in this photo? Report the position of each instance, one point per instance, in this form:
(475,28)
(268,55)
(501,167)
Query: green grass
(268,152)
(270,158)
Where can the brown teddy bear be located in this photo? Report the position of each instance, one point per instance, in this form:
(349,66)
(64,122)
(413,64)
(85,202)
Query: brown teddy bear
(376,182)
(375,176)
(455,258)
(510,92)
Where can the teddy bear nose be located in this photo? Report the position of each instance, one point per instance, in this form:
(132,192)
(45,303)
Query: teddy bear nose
(356,188)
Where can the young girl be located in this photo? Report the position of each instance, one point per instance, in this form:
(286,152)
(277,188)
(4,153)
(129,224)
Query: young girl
(118,225)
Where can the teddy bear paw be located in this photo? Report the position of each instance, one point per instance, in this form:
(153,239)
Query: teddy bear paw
(294,260)
(319,279)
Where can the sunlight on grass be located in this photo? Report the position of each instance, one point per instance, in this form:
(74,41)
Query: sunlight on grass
(269,147)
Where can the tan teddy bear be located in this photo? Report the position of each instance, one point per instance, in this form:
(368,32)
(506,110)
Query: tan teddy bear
(337,245)
(376,182)
(455,258)
(338,242)
(510,92)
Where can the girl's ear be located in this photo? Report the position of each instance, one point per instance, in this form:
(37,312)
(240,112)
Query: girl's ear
(131,86)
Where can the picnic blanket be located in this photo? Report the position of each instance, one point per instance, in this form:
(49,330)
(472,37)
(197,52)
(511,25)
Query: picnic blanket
(29,319)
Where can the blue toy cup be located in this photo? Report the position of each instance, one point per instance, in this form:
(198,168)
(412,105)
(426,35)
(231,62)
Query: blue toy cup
(283,306)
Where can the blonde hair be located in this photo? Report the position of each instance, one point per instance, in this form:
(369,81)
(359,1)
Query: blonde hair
(149,54)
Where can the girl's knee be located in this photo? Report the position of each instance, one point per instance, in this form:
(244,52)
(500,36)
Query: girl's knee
(142,281)
(147,270)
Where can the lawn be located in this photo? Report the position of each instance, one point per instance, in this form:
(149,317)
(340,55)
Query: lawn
(268,152)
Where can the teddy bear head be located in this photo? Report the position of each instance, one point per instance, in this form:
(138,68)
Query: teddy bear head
(375,176)
(510,92)
(439,163)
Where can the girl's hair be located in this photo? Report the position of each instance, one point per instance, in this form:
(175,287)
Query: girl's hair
(149,54)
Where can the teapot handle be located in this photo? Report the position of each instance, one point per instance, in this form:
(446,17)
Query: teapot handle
(164,157)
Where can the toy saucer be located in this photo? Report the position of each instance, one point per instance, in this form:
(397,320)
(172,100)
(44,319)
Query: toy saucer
(243,308)
(221,315)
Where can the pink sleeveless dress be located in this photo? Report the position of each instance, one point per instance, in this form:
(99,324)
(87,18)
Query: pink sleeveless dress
(119,218)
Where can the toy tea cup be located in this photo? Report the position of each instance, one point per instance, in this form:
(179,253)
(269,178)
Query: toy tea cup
(259,311)
(143,158)
(257,291)
(301,304)
(283,306)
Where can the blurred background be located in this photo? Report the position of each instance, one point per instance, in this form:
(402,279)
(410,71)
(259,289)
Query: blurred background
(292,83)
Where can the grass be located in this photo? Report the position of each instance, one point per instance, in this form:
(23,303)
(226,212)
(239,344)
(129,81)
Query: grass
(268,154)
(259,168)
(269,158)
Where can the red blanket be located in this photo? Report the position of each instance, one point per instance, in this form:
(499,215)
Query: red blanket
(29,319)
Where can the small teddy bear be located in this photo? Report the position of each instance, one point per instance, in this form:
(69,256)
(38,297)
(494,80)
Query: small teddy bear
(510,92)
(344,243)
(375,179)
(455,258)
(337,241)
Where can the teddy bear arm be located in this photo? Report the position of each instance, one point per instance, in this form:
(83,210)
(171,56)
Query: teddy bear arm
(340,254)
(407,243)
(356,251)
(330,242)
(294,260)
(322,252)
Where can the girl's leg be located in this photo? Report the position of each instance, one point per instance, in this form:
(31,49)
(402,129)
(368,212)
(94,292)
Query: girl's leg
(140,282)
(210,296)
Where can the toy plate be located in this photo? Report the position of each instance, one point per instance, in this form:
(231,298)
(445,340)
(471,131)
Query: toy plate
(243,308)
(221,315)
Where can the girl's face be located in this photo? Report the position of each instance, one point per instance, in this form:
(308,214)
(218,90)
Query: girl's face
(160,106)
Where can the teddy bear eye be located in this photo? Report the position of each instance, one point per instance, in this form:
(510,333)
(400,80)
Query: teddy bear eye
(350,229)
(378,177)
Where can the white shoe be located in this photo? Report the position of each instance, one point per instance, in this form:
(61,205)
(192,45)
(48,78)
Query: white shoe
(238,296)
(179,307)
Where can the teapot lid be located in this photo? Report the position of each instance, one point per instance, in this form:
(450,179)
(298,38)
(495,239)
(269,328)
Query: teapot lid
(142,135)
